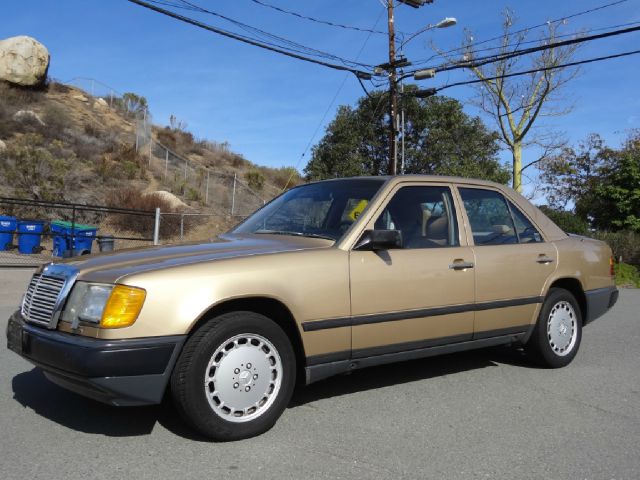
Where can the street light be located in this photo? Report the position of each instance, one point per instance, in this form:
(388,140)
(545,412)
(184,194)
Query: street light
(415,3)
(444,23)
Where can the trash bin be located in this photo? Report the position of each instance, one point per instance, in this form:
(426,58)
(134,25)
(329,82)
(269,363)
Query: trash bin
(60,244)
(70,241)
(7,227)
(106,243)
(29,232)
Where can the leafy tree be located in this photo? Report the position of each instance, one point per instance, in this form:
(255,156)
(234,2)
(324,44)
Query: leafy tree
(571,176)
(603,183)
(618,196)
(439,139)
(566,220)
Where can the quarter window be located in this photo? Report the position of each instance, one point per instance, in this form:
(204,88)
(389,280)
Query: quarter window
(527,233)
(489,217)
(425,216)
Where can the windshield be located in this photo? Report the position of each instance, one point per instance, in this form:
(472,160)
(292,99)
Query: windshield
(323,210)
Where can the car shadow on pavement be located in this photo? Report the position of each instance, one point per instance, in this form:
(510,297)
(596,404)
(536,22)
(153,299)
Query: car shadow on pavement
(409,371)
(33,390)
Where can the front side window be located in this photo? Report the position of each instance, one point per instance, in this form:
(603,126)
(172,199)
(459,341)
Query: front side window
(425,216)
(324,209)
(489,217)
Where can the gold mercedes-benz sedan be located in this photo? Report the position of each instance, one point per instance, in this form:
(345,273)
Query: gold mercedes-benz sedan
(327,278)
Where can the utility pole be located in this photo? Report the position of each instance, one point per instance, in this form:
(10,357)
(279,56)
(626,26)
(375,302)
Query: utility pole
(393,93)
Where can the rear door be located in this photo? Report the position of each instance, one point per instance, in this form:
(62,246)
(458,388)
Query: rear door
(512,262)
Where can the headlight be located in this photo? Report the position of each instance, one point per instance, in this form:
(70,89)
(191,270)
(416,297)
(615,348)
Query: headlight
(107,306)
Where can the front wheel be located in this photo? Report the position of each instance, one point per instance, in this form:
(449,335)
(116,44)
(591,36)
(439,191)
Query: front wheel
(556,337)
(235,376)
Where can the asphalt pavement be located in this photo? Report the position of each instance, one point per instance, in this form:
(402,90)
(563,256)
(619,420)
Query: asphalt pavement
(483,414)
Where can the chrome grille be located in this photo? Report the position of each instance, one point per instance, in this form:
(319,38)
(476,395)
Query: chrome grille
(41,299)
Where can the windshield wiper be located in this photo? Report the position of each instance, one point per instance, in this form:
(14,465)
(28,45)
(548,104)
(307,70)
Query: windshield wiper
(295,234)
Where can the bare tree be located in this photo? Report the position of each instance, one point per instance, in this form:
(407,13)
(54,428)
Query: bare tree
(518,103)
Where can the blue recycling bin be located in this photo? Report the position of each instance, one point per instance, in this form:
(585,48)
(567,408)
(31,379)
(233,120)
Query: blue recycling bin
(70,240)
(84,240)
(7,227)
(29,233)
(60,242)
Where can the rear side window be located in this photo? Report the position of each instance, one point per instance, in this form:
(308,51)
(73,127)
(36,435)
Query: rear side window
(525,230)
(489,216)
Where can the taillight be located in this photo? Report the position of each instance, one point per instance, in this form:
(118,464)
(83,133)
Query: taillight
(612,270)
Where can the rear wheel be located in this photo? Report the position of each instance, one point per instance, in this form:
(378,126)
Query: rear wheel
(235,376)
(556,337)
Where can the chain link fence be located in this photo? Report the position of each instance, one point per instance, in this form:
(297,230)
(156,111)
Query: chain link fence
(34,232)
(192,181)
(195,182)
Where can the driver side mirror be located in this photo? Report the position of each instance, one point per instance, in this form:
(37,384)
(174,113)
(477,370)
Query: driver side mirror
(379,240)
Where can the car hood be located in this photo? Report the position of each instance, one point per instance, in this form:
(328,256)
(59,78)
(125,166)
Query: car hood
(113,266)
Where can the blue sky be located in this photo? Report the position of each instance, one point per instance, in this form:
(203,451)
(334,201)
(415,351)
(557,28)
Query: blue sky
(268,106)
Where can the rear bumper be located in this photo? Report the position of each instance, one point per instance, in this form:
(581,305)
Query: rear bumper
(118,372)
(599,301)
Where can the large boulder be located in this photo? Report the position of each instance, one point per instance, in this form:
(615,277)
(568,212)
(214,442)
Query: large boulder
(28,116)
(170,198)
(23,61)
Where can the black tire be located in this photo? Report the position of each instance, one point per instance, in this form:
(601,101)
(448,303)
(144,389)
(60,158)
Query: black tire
(541,347)
(187,379)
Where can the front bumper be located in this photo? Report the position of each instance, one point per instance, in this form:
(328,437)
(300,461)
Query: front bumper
(119,372)
(599,301)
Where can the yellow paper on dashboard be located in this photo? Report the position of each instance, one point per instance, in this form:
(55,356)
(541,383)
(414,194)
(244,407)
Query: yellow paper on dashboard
(357,210)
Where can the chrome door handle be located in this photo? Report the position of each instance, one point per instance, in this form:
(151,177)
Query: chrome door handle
(460,265)
(544,259)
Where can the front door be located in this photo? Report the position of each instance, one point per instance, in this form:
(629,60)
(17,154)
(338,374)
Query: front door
(422,294)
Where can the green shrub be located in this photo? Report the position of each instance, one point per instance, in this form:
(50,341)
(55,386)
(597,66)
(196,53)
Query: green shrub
(143,225)
(167,137)
(130,169)
(567,221)
(255,180)
(56,121)
(20,97)
(193,194)
(625,245)
(627,275)
(33,170)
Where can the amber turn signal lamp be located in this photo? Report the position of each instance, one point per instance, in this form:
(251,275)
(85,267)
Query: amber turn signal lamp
(123,307)
(612,270)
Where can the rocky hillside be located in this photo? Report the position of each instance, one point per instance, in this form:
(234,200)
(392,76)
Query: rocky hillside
(58,142)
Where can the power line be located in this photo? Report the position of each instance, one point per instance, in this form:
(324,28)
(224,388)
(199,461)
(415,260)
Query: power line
(288,44)
(517,53)
(248,40)
(526,29)
(544,39)
(317,20)
(272,36)
(333,100)
(535,70)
